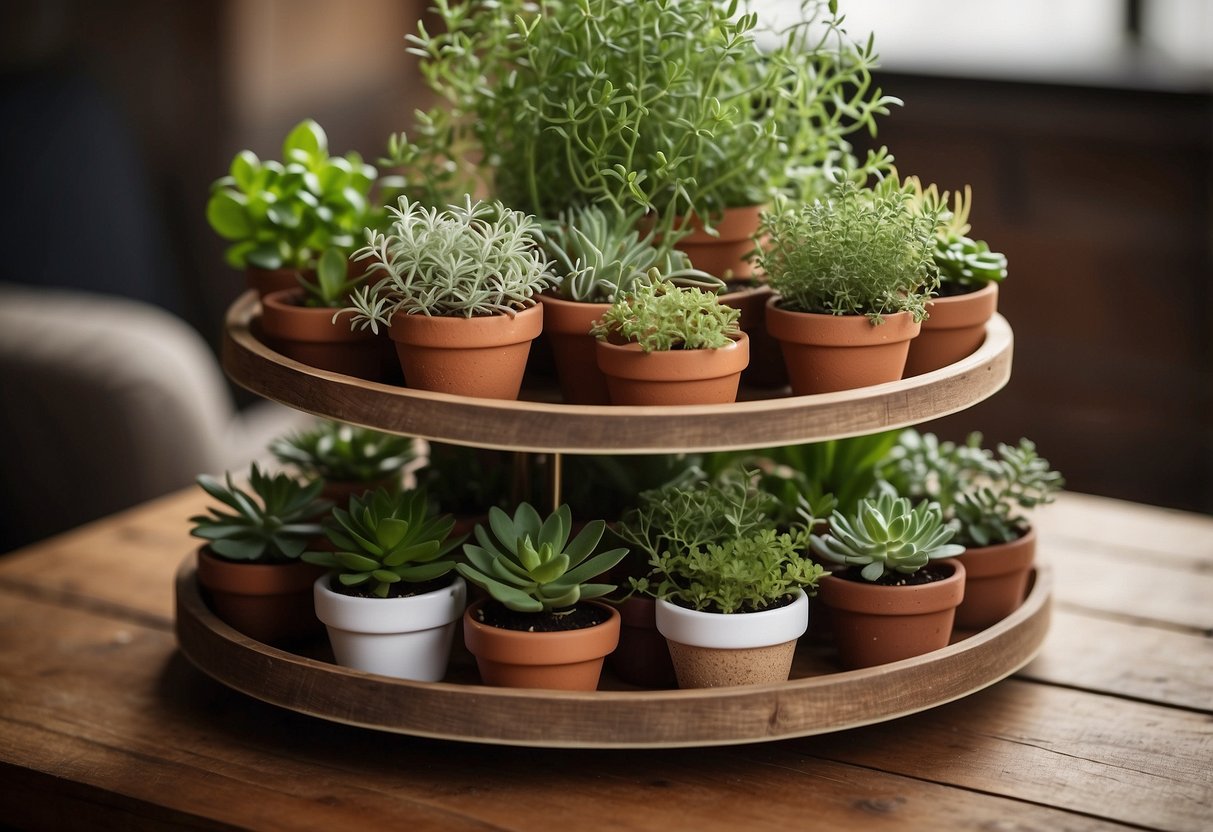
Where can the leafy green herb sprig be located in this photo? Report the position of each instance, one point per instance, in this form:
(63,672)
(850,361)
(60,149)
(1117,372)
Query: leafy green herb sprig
(659,315)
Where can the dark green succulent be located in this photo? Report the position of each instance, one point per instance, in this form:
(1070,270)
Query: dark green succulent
(385,538)
(529,564)
(272,524)
(338,452)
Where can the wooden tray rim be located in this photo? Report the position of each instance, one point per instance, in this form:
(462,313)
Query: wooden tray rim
(610,719)
(595,429)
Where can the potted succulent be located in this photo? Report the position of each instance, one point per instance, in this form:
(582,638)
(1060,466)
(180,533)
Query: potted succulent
(537,630)
(350,460)
(967,297)
(852,274)
(730,589)
(663,344)
(389,601)
(985,497)
(897,597)
(458,295)
(280,216)
(598,257)
(250,565)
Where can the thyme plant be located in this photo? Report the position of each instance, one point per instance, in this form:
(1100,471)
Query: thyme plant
(856,251)
(658,315)
(466,260)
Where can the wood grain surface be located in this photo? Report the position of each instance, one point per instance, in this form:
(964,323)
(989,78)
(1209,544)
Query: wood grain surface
(105,725)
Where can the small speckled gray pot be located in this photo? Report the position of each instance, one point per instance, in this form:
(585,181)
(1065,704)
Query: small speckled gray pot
(715,650)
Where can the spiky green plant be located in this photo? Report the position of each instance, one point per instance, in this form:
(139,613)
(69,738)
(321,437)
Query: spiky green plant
(272,522)
(659,315)
(385,538)
(529,564)
(338,452)
(887,534)
(964,264)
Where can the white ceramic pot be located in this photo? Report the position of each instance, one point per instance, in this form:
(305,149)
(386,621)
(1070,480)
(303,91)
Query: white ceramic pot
(408,638)
(714,649)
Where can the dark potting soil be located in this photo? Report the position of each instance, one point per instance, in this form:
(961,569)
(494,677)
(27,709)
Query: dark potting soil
(782,601)
(929,574)
(400,589)
(496,614)
(955,290)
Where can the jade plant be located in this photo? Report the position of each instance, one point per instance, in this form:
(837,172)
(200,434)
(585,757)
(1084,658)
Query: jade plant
(984,494)
(713,547)
(659,315)
(669,108)
(337,452)
(385,541)
(272,522)
(287,214)
(465,260)
(597,257)
(529,564)
(855,251)
(887,537)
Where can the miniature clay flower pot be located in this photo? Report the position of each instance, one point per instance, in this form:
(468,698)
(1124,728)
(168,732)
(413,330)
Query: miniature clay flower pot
(271,603)
(766,368)
(566,660)
(309,336)
(673,377)
(484,357)
(828,353)
(265,281)
(955,329)
(996,581)
(876,624)
(642,657)
(723,255)
(340,491)
(407,638)
(714,649)
(567,325)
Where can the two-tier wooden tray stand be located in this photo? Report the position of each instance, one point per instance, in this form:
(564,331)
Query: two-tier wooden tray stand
(817,699)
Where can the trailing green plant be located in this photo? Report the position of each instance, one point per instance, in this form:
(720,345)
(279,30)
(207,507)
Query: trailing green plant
(713,547)
(530,565)
(674,108)
(856,251)
(285,214)
(887,534)
(598,257)
(658,315)
(386,538)
(964,264)
(465,260)
(272,522)
(985,496)
(337,452)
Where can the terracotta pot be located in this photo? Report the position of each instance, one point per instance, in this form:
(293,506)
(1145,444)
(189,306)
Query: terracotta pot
(642,657)
(714,650)
(828,353)
(876,624)
(310,337)
(266,281)
(955,329)
(766,368)
(567,325)
(340,491)
(271,603)
(996,581)
(673,377)
(569,660)
(723,255)
(406,638)
(484,357)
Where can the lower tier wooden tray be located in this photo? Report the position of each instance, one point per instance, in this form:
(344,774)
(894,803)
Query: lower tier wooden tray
(817,699)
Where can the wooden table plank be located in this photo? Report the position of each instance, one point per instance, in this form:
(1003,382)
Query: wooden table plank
(110,705)
(1128,529)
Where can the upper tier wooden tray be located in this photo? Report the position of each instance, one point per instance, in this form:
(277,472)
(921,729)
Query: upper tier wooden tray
(777,420)
(817,699)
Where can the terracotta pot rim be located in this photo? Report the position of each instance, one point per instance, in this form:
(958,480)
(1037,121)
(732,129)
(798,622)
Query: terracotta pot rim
(736,225)
(570,317)
(457,332)
(629,361)
(837,330)
(540,649)
(874,599)
(1000,558)
(314,324)
(249,578)
(962,311)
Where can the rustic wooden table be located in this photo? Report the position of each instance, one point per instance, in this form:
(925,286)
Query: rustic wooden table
(104,725)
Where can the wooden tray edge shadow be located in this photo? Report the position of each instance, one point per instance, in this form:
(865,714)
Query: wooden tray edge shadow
(610,719)
(528,426)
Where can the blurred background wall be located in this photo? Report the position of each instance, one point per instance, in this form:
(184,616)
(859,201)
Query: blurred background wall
(1088,142)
